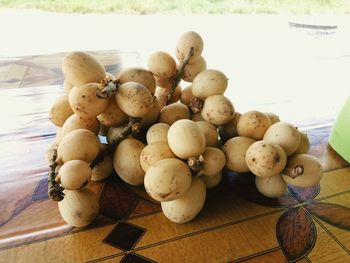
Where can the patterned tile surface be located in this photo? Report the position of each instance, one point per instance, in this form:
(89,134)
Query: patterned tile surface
(237,224)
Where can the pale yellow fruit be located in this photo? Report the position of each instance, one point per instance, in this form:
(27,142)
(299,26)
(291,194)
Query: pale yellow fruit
(273,117)
(174,112)
(285,135)
(74,174)
(229,130)
(272,186)
(84,101)
(157,133)
(151,116)
(82,68)
(112,115)
(75,122)
(161,64)
(80,144)
(186,139)
(210,133)
(155,152)
(194,68)
(218,110)
(139,75)
(60,111)
(253,124)
(212,180)
(186,95)
(265,159)
(79,208)
(167,179)
(134,99)
(303,170)
(103,169)
(304,144)
(235,150)
(209,82)
(126,161)
(67,86)
(187,207)
(185,42)
(214,161)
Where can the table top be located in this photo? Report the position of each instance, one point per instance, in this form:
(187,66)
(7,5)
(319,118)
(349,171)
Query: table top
(237,224)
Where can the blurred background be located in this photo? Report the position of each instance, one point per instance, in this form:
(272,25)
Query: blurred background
(289,57)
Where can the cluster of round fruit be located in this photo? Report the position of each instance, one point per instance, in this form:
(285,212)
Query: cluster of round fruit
(174,141)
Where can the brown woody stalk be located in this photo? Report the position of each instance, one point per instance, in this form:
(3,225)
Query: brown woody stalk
(55,191)
(179,74)
(133,127)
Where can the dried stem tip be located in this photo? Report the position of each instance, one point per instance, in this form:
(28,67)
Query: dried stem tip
(294,171)
(55,191)
(109,88)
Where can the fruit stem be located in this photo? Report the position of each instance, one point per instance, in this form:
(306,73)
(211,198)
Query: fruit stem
(179,74)
(196,164)
(294,171)
(55,191)
(133,127)
(196,104)
(109,88)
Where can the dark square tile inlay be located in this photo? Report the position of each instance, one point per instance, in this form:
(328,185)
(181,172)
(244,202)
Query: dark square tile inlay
(134,258)
(124,236)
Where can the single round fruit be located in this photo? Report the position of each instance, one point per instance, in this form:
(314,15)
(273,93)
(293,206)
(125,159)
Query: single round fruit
(75,122)
(304,144)
(151,116)
(67,86)
(60,111)
(185,42)
(218,110)
(273,117)
(126,161)
(272,186)
(103,169)
(235,150)
(157,133)
(112,115)
(174,112)
(74,174)
(285,135)
(82,68)
(155,152)
(214,161)
(161,64)
(134,99)
(186,208)
(139,75)
(167,179)
(265,159)
(80,144)
(253,124)
(303,170)
(79,208)
(209,82)
(84,101)
(186,139)
(210,133)
(211,180)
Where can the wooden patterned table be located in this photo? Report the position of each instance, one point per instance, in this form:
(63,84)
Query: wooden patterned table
(237,224)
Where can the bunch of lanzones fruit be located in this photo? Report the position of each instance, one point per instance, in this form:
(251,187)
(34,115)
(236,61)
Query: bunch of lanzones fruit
(175,141)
